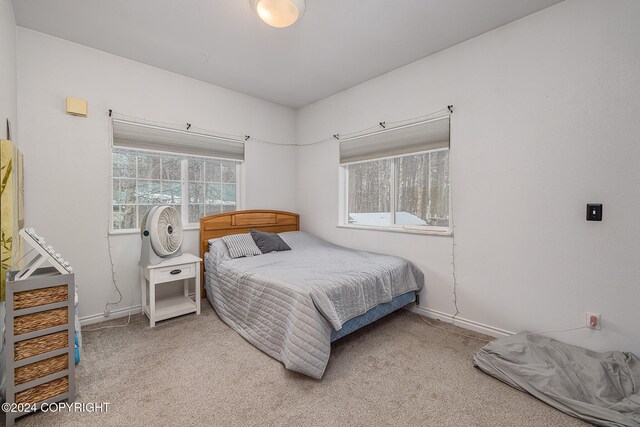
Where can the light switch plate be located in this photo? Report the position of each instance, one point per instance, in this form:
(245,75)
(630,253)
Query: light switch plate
(594,212)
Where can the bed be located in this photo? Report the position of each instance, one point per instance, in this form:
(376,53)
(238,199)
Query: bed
(293,304)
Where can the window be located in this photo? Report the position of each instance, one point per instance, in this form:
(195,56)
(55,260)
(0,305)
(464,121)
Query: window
(212,187)
(397,178)
(196,173)
(195,186)
(411,190)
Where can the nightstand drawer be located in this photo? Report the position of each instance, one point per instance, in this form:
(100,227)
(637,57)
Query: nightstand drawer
(175,272)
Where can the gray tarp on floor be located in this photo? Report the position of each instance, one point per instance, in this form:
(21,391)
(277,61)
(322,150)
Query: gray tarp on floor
(601,388)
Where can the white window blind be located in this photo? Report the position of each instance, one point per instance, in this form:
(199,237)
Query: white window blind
(402,140)
(148,137)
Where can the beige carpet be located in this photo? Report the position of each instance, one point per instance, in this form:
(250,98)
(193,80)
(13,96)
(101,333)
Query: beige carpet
(197,371)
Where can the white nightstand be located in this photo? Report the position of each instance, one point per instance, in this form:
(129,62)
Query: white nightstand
(182,267)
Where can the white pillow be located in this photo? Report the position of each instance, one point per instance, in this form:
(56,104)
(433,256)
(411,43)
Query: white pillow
(241,245)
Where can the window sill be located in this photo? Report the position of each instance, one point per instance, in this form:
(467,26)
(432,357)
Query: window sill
(400,229)
(137,230)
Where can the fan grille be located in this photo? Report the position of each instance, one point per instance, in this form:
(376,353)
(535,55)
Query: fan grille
(165,227)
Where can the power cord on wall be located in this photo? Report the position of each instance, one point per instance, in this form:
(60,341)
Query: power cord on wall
(424,319)
(115,285)
(561,330)
(453,271)
(453,240)
(108,170)
(455,278)
(115,326)
(113,277)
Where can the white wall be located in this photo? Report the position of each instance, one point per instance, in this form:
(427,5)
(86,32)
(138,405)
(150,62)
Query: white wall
(8,86)
(546,120)
(8,110)
(67,158)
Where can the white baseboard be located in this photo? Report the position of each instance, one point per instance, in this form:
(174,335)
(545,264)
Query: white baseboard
(460,321)
(434,314)
(115,314)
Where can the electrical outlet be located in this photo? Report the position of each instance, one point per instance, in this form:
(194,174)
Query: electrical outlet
(593,321)
(107,313)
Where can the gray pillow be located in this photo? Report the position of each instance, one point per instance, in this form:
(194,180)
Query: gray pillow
(241,245)
(269,242)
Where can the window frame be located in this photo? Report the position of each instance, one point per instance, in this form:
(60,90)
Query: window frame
(343,205)
(184,186)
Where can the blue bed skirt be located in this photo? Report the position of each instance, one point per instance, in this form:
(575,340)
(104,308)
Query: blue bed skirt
(374,314)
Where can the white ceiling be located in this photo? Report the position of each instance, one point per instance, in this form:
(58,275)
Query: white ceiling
(337,43)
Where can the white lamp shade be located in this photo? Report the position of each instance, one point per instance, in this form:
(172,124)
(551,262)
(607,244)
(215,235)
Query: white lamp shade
(278,13)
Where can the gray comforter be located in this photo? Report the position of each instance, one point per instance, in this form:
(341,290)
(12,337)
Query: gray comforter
(286,303)
(601,388)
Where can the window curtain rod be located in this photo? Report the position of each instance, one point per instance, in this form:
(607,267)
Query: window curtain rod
(336,137)
(184,132)
(385,129)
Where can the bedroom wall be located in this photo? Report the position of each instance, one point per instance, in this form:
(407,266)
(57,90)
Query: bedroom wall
(8,84)
(546,120)
(8,110)
(67,158)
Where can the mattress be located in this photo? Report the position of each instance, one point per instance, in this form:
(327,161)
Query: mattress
(372,315)
(288,303)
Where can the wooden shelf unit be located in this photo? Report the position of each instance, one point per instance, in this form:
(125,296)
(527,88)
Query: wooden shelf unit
(39,339)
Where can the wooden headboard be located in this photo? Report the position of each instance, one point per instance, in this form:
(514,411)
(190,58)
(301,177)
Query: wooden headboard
(238,222)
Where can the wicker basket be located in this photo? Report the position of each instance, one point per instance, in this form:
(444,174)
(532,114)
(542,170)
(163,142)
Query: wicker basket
(43,391)
(39,345)
(37,297)
(41,320)
(40,369)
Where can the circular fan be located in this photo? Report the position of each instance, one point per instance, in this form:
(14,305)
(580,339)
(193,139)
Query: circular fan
(164,226)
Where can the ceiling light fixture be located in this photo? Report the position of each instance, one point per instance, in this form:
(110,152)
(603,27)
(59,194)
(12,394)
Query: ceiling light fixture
(278,13)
